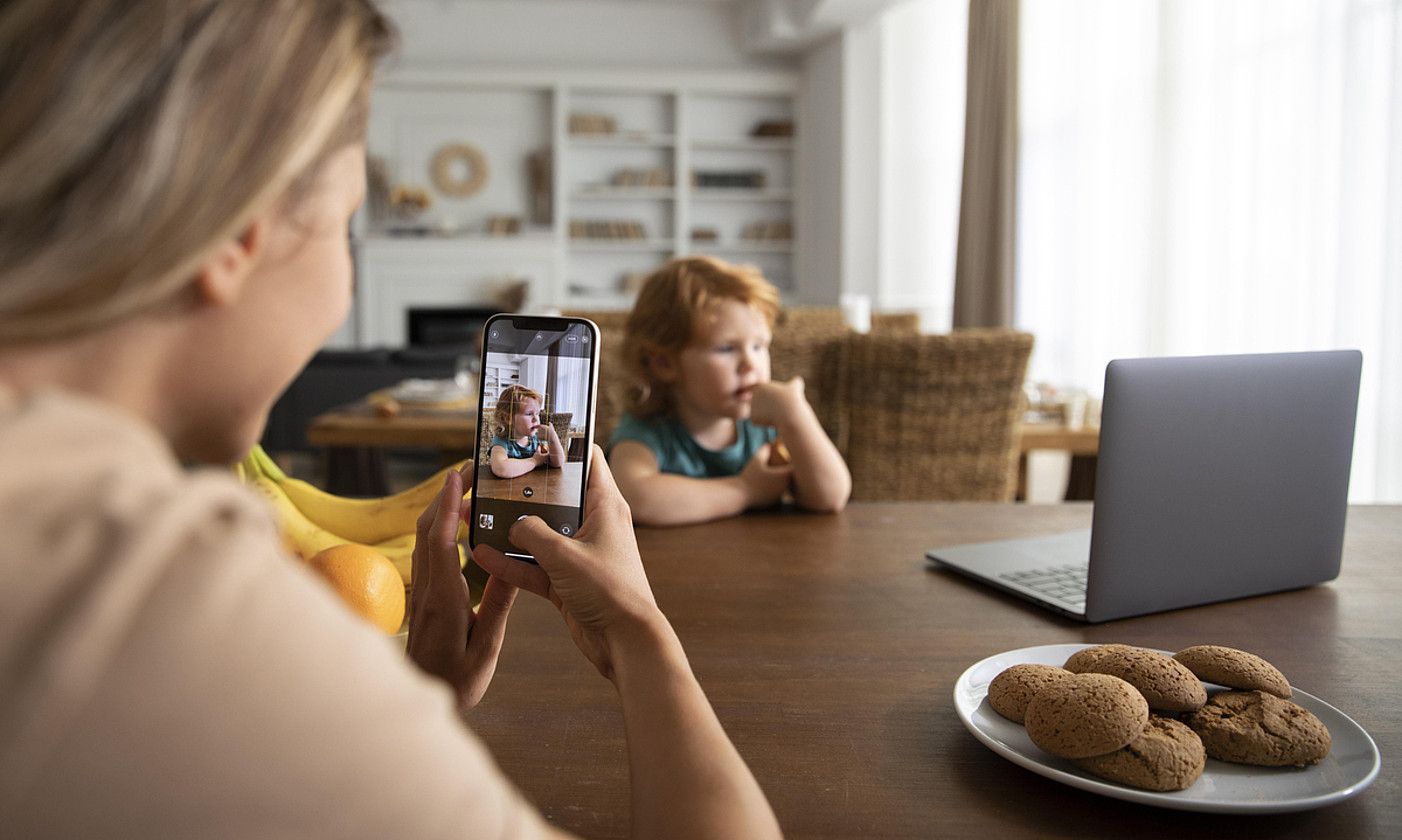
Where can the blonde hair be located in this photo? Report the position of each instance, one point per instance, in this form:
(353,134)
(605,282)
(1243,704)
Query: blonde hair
(511,399)
(666,317)
(138,135)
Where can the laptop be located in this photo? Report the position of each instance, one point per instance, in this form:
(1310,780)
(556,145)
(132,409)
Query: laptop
(1218,477)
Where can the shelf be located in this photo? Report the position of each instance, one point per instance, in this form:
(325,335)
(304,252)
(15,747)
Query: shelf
(615,245)
(785,247)
(601,299)
(745,144)
(624,194)
(739,194)
(622,141)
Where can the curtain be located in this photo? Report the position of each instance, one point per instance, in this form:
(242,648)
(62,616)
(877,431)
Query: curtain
(1206,177)
(983,273)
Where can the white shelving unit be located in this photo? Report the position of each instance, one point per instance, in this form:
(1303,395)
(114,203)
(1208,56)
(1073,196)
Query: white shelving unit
(677,122)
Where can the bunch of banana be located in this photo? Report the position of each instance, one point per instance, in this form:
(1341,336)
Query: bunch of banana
(312,520)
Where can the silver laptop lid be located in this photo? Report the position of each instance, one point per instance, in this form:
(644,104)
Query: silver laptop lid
(1220,477)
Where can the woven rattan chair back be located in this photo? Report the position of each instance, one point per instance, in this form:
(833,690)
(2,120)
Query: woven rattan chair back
(812,342)
(936,417)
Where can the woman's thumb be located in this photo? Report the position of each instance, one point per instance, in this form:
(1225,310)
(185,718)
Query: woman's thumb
(533,536)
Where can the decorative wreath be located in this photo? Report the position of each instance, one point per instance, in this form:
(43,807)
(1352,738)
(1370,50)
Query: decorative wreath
(444,177)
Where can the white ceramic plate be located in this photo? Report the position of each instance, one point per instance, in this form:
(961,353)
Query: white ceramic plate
(1351,765)
(429,391)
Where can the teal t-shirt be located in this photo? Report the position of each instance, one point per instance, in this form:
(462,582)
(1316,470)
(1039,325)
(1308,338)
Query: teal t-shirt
(514,449)
(678,452)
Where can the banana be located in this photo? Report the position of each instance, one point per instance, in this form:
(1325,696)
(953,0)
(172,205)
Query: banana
(301,535)
(400,551)
(367,521)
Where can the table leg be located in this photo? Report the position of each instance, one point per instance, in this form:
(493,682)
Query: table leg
(1080,483)
(355,471)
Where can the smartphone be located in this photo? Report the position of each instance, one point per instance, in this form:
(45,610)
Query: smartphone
(535,423)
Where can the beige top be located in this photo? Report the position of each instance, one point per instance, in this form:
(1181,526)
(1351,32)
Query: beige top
(165,671)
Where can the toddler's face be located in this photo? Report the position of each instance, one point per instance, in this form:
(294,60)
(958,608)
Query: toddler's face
(728,357)
(527,417)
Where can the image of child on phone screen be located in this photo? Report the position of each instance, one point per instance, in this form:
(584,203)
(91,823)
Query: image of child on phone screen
(520,442)
(707,433)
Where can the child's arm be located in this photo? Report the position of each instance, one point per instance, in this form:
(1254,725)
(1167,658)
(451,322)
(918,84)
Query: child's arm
(659,498)
(504,466)
(821,479)
(557,452)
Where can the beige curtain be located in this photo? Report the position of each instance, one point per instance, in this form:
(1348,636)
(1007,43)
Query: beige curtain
(983,272)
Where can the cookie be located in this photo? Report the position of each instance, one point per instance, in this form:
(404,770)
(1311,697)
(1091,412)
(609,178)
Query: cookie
(1167,684)
(1166,756)
(1234,669)
(1012,690)
(1081,660)
(1085,714)
(1253,727)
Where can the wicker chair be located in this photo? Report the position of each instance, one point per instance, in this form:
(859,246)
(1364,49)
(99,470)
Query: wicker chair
(613,383)
(895,323)
(812,342)
(605,319)
(936,417)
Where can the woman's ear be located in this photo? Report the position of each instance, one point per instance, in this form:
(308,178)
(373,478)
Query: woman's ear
(221,278)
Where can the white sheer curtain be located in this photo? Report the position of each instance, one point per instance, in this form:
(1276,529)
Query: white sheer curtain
(1200,176)
(921,153)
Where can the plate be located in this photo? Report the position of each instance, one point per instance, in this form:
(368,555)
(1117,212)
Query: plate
(1352,763)
(429,392)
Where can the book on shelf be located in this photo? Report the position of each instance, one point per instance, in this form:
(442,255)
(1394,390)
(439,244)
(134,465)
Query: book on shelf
(772,128)
(745,179)
(592,125)
(775,231)
(641,178)
(611,229)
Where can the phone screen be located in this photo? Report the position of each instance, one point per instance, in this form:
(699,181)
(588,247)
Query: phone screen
(534,425)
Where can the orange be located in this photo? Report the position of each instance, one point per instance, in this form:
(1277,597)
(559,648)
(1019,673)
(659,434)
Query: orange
(366,581)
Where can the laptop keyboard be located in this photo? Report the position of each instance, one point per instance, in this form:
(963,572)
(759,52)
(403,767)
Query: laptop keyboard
(1064,584)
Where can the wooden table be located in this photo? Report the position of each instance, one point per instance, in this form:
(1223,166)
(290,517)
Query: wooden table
(830,653)
(356,435)
(1083,445)
(551,486)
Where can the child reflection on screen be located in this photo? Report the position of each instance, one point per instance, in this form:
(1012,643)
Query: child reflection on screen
(520,442)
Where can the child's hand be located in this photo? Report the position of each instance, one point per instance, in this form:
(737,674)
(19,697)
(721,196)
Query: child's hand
(774,402)
(764,484)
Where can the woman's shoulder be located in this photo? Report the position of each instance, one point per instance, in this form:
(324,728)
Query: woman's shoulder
(86,488)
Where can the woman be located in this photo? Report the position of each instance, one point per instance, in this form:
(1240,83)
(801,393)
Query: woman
(175,184)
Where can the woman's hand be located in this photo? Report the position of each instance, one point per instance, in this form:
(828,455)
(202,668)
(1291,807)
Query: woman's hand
(596,580)
(446,638)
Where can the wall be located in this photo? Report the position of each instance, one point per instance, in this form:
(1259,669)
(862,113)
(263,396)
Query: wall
(532,33)
(818,216)
(838,221)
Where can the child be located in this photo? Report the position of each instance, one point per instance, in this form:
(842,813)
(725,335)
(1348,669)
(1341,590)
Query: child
(702,436)
(516,445)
